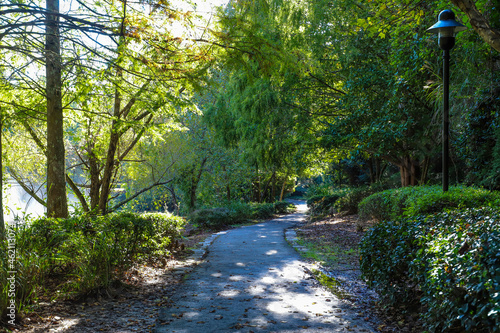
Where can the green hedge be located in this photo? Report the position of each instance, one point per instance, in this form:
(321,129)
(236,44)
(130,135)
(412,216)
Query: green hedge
(82,254)
(348,203)
(237,212)
(447,263)
(423,200)
(344,200)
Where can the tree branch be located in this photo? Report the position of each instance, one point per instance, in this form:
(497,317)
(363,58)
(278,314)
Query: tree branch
(479,23)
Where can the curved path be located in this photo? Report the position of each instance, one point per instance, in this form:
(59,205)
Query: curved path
(253,281)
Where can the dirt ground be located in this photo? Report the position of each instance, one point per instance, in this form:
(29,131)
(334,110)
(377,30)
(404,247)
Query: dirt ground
(335,241)
(131,306)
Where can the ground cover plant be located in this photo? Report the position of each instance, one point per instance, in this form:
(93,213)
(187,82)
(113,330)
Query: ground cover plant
(61,258)
(445,265)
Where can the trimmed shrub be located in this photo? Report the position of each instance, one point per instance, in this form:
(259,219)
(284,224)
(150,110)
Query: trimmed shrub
(447,263)
(212,218)
(237,212)
(348,203)
(284,207)
(262,210)
(423,200)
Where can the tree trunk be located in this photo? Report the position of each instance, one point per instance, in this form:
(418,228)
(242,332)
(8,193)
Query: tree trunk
(282,194)
(57,204)
(2,222)
(95,182)
(273,192)
(479,22)
(410,171)
(174,198)
(266,193)
(195,181)
(110,157)
(228,188)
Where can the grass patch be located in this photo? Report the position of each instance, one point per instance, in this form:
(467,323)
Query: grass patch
(331,284)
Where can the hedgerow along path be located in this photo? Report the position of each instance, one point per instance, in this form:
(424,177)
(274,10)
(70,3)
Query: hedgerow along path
(252,280)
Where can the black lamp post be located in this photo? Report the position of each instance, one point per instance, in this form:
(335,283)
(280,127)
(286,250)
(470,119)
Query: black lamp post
(446,28)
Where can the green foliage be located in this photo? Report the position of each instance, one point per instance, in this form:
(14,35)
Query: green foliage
(213,218)
(447,263)
(322,205)
(479,146)
(237,212)
(422,200)
(349,202)
(343,200)
(264,210)
(154,200)
(284,207)
(82,254)
(322,189)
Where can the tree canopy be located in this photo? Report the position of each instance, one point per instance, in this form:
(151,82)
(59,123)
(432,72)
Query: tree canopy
(154,96)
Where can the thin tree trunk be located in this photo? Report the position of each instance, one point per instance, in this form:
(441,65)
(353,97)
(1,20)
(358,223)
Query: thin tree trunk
(228,188)
(282,194)
(110,157)
(273,192)
(410,171)
(174,198)
(57,204)
(2,222)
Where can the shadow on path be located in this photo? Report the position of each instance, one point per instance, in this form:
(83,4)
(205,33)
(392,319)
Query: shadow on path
(253,281)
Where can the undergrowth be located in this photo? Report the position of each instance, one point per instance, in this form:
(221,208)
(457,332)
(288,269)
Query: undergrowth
(60,258)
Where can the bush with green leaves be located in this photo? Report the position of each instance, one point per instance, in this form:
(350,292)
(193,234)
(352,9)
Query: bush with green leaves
(284,207)
(348,203)
(423,200)
(342,200)
(323,205)
(212,218)
(83,253)
(448,264)
(237,212)
(263,210)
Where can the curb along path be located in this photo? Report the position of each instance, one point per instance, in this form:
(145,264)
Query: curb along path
(252,280)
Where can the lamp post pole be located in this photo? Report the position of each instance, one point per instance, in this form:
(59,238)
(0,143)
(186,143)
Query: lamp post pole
(446,117)
(446,28)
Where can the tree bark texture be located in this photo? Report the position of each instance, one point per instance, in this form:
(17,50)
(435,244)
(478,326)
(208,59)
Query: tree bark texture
(2,222)
(110,157)
(479,23)
(57,205)
(410,172)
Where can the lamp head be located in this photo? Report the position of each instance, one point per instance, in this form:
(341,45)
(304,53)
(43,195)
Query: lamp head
(446,27)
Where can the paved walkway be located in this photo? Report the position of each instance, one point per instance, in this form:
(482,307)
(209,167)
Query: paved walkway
(253,281)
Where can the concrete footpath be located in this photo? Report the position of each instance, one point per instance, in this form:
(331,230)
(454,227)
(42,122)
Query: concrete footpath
(252,280)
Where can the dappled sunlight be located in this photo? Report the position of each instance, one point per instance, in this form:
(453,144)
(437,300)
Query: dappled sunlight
(236,278)
(260,284)
(229,293)
(191,314)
